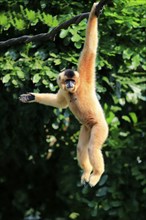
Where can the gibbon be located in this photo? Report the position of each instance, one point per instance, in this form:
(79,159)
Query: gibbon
(77,91)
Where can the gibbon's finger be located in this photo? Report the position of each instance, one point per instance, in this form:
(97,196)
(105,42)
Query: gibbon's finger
(26,98)
(99,7)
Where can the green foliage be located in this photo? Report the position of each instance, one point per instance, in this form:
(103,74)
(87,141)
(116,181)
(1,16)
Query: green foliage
(39,175)
(74,34)
(25,18)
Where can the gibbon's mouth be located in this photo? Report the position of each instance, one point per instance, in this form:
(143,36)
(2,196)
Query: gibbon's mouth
(69,83)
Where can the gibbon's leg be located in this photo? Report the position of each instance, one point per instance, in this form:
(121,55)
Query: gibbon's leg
(98,136)
(82,154)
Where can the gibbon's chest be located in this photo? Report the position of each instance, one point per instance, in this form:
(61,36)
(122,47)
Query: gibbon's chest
(82,108)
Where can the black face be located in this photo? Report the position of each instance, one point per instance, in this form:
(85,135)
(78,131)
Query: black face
(69,82)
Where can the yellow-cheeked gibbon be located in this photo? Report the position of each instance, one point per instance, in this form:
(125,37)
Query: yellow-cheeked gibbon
(77,91)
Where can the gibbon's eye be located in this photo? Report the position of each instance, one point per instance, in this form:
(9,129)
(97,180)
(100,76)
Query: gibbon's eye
(70,83)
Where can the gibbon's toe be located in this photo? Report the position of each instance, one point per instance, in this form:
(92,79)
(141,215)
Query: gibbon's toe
(25,98)
(85,178)
(94,179)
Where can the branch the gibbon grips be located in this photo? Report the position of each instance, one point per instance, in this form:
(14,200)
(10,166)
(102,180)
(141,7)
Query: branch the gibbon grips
(52,34)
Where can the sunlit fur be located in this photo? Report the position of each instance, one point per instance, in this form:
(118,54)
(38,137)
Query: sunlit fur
(82,101)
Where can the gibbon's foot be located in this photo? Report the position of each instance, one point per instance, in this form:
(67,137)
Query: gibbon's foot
(26,98)
(94,179)
(85,178)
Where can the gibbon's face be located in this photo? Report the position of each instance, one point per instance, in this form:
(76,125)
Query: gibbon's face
(68,80)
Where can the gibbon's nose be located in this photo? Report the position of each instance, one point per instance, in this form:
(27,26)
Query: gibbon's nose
(69,73)
(69,84)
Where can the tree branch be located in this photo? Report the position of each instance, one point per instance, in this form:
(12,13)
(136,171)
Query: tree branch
(52,34)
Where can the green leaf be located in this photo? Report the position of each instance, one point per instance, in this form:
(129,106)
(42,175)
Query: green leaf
(31,15)
(51,86)
(55,21)
(78,45)
(136,61)
(126,118)
(49,19)
(133,117)
(103,180)
(127,53)
(9,65)
(20,74)
(132,97)
(57,61)
(36,78)
(74,215)
(63,33)
(110,117)
(3,19)
(15,82)
(6,78)
(116,203)
(124,134)
(135,2)
(19,24)
(45,82)
(76,37)
(102,191)
(94,212)
(106,205)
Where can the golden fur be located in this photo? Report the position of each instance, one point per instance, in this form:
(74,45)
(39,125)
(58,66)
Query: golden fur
(80,96)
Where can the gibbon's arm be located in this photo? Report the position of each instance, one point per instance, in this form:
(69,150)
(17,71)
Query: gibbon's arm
(55,100)
(86,66)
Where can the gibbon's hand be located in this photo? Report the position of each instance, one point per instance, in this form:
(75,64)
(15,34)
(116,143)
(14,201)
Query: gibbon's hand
(27,98)
(99,7)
